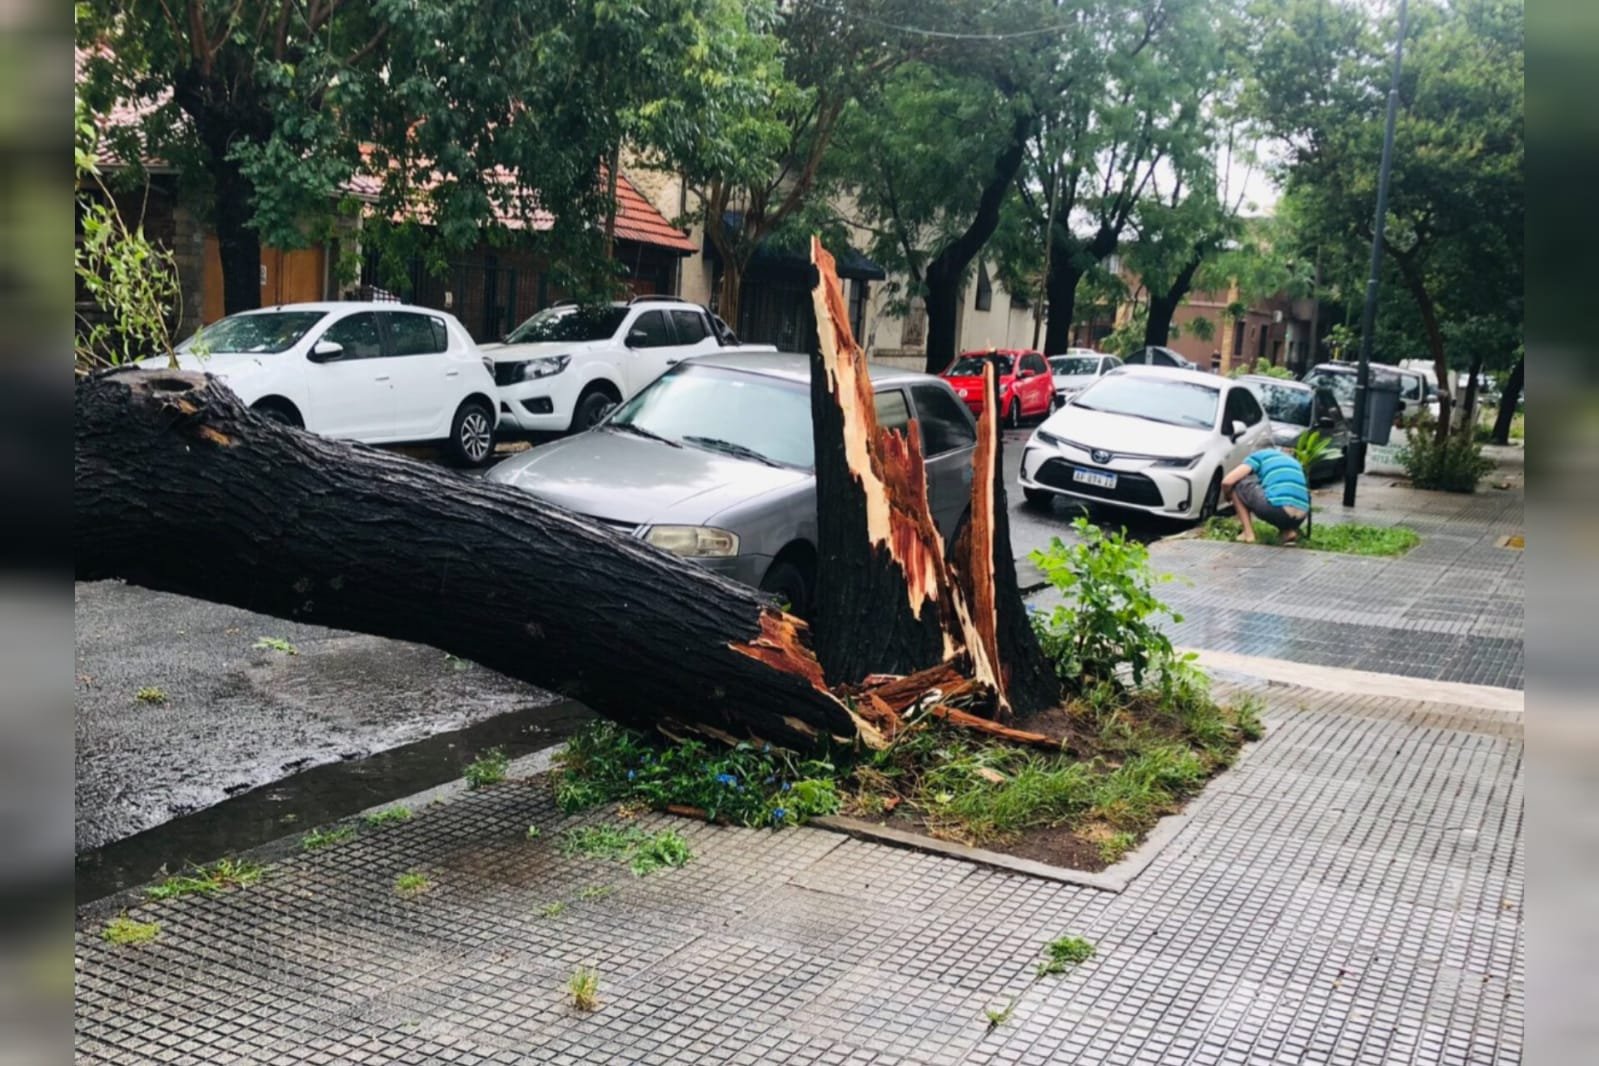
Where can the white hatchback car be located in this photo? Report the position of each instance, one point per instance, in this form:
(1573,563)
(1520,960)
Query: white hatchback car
(382,373)
(1152,439)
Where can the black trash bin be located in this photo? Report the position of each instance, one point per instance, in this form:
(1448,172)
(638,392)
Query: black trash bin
(1382,402)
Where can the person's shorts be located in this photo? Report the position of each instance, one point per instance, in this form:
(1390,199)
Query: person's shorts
(1248,493)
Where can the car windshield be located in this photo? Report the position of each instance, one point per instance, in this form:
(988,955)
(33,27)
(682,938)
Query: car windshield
(1342,385)
(727,411)
(569,324)
(1284,404)
(1069,365)
(971,366)
(1178,403)
(262,333)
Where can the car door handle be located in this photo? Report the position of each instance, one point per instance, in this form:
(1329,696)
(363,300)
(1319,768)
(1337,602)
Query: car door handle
(673,362)
(452,373)
(385,377)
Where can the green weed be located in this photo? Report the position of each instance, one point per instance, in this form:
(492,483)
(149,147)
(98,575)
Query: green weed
(600,841)
(1346,538)
(1246,713)
(124,931)
(998,1017)
(1115,846)
(584,988)
(276,644)
(1133,795)
(208,880)
(488,768)
(411,884)
(151,694)
(1063,952)
(388,816)
(552,910)
(456,662)
(594,892)
(534,832)
(664,850)
(321,838)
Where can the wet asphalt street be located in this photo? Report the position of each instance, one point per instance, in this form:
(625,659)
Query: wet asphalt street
(235,717)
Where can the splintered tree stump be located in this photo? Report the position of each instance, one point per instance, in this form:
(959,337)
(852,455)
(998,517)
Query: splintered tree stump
(888,599)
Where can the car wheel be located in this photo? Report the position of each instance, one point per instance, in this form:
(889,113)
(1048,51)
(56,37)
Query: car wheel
(591,408)
(789,585)
(1038,497)
(1207,510)
(472,434)
(1013,415)
(279,412)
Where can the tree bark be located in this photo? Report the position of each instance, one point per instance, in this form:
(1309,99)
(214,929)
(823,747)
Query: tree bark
(1061,286)
(1416,284)
(178,487)
(1163,306)
(1508,400)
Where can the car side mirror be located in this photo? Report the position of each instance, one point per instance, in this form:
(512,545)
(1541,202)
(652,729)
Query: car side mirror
(1238,429)
(636,338)
(1326,422)
(326,352)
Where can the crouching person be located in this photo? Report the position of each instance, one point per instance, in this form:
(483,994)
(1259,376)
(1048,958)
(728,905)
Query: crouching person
(1271,486)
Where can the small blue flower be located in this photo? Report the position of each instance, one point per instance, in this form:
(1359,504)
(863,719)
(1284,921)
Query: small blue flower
(631,774)
(787,786)
(766,747)
(778,815)
(727,779)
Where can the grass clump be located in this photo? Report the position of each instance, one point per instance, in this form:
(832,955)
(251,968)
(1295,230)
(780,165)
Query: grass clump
(1064,952)
(644,852)
(1115,846)
(276,644)
(208,880)
(552,910)
(998,1016)
(664,850)
(124,931)
(596,892)
(488,768)
(747,785)
(1345,538)
(388,816)
(151,694)
(321,838)
(584,988)
(411,884)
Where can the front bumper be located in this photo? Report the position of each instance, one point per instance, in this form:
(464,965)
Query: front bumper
(1139,486)
(543,405)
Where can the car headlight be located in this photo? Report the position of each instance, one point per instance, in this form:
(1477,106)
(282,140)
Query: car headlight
(544,366)
(694,542)
(1047,438)
(1179,463)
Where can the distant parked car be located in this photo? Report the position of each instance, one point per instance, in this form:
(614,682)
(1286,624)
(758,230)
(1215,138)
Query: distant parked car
(1026,389)
(1295,409)
(1077,369)
(715,460)
(1415,391)
(1153,439)
(566,367)
(1155,355)
(382,373)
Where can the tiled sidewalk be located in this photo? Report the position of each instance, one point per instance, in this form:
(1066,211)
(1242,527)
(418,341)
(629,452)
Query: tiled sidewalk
(1351,892)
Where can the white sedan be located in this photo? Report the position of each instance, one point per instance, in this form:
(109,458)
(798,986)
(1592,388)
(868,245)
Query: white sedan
(1151,439)
(382,373)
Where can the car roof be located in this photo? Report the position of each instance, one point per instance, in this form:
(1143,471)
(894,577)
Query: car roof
(1286,383)
(1173,373)
(326,306)
(793,366)
(980,352)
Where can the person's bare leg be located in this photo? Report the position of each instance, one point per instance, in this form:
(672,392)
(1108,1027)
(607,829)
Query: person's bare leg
(1289,536)
(1246,520)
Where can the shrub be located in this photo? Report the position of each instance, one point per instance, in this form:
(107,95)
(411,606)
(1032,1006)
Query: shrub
(1264,368)
(1109,619)
(1454,464)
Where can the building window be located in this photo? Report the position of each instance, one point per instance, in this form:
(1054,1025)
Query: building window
(1261,352)
(985,290)
(857,310)
(1238,337)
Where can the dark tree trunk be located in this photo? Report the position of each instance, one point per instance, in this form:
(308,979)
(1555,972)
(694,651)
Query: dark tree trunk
(944,273)
(1163,306)
(177,487)
(1507,402)
(226,108)
(1061,287)
(1417,285)
(1469,402)
(888,599)
(238,244)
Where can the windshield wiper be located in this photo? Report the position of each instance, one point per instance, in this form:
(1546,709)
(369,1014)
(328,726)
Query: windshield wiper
(739,451)
(640,431)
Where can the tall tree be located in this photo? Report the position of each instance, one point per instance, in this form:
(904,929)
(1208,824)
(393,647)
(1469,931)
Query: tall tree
(1456,201)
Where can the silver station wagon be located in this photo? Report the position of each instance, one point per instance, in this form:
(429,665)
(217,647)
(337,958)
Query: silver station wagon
(714,461)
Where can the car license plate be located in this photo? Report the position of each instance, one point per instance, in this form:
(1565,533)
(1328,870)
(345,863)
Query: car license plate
(1094,477)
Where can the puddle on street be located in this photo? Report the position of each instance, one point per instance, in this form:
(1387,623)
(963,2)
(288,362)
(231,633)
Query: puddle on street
(314,797)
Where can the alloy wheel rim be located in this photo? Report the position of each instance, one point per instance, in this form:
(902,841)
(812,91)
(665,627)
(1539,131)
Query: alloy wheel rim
(475,435)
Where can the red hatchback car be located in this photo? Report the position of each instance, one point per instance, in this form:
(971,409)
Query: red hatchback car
(1026,389)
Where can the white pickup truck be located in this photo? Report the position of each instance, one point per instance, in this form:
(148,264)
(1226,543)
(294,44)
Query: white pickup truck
(566,367)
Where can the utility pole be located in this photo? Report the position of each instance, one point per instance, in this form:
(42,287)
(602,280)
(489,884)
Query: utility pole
(1368,318)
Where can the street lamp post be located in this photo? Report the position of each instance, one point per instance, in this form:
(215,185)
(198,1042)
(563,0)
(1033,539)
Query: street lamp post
(1368,317)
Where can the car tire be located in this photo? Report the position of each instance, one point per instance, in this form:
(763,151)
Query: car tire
(1013,414)
(591,407)
(1207,509)
(279,411)
(1040,498)
(472,434)
(789,584)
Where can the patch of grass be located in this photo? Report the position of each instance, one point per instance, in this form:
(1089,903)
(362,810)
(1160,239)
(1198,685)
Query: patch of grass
(208,880)
(124,931)
(321,838)
(998,1017)
(552,910)
(1246,713)
(388,816)
(584,988)
(456,662)
(411,884)
(665,850)
(1115,846)
(276,644)
(600,841)
(1346,538)
(1064,952)
(151,694)
(1131,797)
(534,832)
(488,768)
(594,892)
